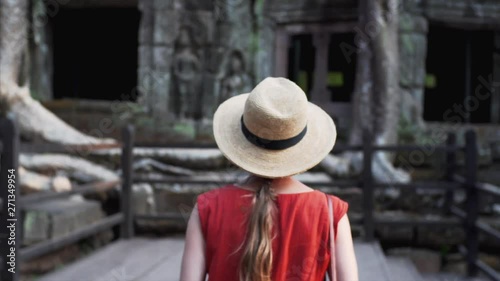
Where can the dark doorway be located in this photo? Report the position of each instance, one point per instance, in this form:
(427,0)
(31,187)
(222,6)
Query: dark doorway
(341,67)
(95,53)
(301,61)
(456,59)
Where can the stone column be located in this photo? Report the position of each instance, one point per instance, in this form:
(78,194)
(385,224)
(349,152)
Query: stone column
(412,51)
(158,27)
(282,46)
(320,93)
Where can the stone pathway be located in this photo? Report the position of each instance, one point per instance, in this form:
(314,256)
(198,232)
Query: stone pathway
(144,259)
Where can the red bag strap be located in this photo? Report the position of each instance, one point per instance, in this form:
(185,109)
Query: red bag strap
(333,275)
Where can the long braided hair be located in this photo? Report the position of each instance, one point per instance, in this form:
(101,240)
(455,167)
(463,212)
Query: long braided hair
(257,257)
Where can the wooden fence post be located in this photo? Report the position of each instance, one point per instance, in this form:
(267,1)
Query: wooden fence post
(368,198)
(127,229)
(11,217)
(472,202)
(451,167)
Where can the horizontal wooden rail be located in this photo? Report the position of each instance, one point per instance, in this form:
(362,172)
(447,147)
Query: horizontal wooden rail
(489,271)
(484,227)
(413,147)
(489,189)
(337,149)
(437,185)
(481,186)
(83,189)
(486,269)
(48,246)
(186,145)
(380,220)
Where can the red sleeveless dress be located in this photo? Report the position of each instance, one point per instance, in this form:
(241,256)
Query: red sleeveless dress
(301,244)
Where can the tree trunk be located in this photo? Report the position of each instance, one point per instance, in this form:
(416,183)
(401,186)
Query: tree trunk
(385,71)
(15,97)
(74,167)
(376,94)
(363,89)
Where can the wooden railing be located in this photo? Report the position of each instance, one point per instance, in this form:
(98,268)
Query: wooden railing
(10,181)
(468,218)
(451,182)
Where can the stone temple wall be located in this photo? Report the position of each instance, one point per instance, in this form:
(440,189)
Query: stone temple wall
(415,17)
(193,54)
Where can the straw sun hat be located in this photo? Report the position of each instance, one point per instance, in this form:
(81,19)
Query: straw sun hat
(273,131)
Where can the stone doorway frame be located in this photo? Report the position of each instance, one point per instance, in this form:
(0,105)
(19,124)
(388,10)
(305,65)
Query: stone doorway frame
(321,37)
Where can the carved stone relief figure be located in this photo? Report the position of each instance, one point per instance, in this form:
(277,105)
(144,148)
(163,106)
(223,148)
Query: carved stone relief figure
(236,80)
(186,68)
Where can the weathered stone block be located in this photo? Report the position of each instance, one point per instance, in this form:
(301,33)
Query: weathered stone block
(173,201)
(201,24)
(163,57)
(145,4)
(146,56)
(56,218)
(413,50)
(209,97)
(400,234)
(36,227)
(160,99)
(199,5)
(222,35)
(163,4)
(143,200)
(412,110)
(166,26)
(445,236)
(146,27)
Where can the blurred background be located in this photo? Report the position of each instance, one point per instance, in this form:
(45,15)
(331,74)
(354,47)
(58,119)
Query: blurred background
(112,103)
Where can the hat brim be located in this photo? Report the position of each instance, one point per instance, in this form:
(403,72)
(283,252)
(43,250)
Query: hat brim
(316,144)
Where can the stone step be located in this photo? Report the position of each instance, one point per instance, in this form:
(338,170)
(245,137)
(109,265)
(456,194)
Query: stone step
(402,268)
(372,265)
